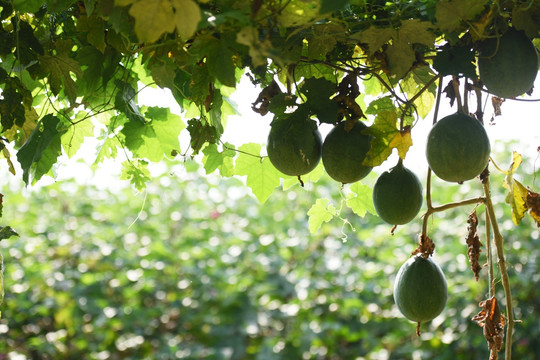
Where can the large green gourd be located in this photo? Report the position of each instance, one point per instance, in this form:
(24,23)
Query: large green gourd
(343,153)
(508,65)
(294,145)
(397,195)
(458,148)
(420,289)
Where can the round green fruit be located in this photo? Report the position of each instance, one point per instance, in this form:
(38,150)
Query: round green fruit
(343,153)
(420,289)
(294,147)
(397,195)
(508,65)
(458,148)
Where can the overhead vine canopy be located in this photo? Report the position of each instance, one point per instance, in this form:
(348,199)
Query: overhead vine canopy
(72,69)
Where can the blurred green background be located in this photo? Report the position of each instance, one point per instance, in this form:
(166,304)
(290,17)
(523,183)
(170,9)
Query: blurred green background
(195,268)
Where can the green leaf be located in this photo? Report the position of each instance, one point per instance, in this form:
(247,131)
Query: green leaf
(385,132)
(41,148)
(360,199)
(136,171)
(258,50)
(58,6)
(153,18)
(527,18)
(5,233)
(374,37)
(200,132)
(318,102)
(319,213)
(59,67)
(455,60)
(415,82)
(91,60)
(223,161)
(220,61)
(451,14)
(94,26)
(27,6)
(262,176)
(187,16)
(108,148)
(329,6)
(400,54)
(313,176)
(156,138)
(73,138)
(125,102)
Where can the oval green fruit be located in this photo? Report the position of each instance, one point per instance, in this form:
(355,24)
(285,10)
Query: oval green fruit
(343,153)
(397,195)
(420,289)
(294,146)
(508,65)
(458,148)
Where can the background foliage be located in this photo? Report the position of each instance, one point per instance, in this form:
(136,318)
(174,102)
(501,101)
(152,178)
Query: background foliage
(206,272)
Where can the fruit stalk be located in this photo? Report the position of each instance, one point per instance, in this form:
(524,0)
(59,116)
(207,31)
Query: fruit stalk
(501,262)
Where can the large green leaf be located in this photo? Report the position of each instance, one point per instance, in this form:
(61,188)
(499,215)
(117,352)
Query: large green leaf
(41,149)
(153,18)
(155,138)
(262,176)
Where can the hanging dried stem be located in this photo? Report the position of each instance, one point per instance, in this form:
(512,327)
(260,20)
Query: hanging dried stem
(473,244)
(501,262)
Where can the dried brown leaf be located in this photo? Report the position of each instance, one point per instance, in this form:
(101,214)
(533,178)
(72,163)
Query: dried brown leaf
(450,92)
(492,321)
(474,245)
(426,247)
(497,102)
(533,205)
(263,100)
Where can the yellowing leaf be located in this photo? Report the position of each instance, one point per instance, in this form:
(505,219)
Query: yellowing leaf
(386,135)
(320,213)
(187,16)
(7,156)
(262,176)
(402,141)
(153,18)
(517,194)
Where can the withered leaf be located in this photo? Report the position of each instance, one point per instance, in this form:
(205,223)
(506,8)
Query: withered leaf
(263,100)
(533,204)
(474,245)
(426,247)
(492,321)
(497,102)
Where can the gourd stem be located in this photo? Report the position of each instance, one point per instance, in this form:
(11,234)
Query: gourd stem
(455,84)
(501,262)
(489,256)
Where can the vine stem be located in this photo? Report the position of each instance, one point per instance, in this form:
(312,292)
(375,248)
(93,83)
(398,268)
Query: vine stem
(501,262)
